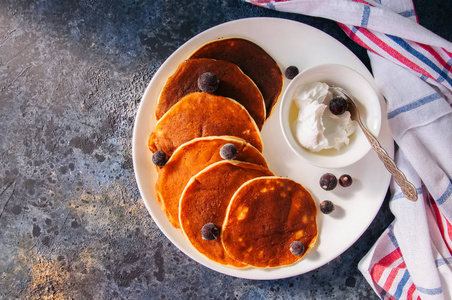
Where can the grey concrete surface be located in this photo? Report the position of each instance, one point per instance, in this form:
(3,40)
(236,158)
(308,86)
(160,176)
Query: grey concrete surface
(72,221)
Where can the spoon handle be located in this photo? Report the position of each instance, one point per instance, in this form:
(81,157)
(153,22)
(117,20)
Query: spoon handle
(408,189)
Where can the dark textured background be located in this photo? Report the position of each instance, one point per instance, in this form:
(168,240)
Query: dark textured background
(72,223)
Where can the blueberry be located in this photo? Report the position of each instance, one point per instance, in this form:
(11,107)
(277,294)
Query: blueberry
(297,248)
(291,72)
(345,180)
(327,207)
(338,105)
(328,181)
(210,232)
(208,82)
(228,151)
(159,158)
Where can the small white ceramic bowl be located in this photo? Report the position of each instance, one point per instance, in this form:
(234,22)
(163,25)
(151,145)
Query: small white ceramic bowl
(365,98)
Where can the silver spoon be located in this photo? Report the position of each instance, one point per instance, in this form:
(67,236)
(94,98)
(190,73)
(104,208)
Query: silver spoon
(408,189)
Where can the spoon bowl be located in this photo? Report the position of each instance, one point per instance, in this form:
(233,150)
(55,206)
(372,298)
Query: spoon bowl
(408,189)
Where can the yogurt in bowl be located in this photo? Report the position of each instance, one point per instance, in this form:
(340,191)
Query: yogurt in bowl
(316,127)
(313,132)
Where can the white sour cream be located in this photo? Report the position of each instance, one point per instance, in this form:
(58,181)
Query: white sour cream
(316,127)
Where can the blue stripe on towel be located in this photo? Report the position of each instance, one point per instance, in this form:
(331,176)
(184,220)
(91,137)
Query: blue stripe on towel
(392,236)
(442,74)
(271,5)
(445,195)
(442,261)
(407,13)
(400,195)
(365,17)
(413,105)
(406,276)
(436,291)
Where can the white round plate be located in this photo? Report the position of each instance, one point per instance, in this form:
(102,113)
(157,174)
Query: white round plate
(289,43)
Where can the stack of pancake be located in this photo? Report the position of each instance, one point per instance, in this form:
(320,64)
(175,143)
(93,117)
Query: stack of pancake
(259,214)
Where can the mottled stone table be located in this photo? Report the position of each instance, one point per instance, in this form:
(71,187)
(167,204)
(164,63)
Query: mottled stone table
(72,222)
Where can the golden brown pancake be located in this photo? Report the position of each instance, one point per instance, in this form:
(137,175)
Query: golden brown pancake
(264,217)
(189,159)
(254,62)
(205,200)
(233,84)
(202,114)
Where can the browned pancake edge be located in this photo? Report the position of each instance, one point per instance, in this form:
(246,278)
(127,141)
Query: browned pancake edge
(205,200)
(253,60)
(189,159)
(233,83)
(202,114)
(264,217)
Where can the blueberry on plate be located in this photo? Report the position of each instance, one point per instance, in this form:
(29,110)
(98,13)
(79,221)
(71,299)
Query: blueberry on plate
(210,232)
(159,158)
(228,151)
(328,181)
(291,72)
(345,180)
(326,207)
(297,248)
(208,82)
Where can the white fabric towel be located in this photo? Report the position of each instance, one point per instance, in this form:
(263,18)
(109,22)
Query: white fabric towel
(412,68)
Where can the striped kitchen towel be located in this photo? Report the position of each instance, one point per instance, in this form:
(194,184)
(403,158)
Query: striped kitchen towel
(412,68)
